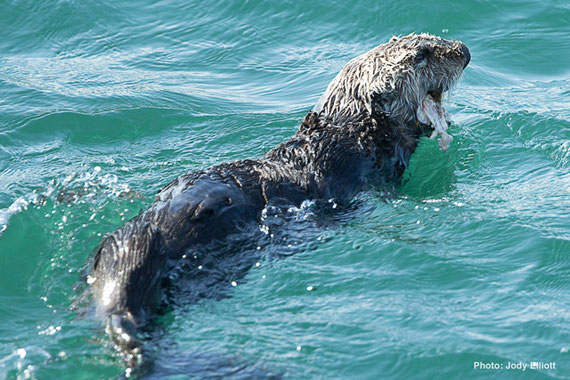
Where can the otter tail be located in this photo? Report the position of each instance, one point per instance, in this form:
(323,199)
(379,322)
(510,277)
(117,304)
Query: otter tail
(126,276)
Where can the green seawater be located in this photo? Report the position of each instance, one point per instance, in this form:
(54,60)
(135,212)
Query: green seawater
(468,260)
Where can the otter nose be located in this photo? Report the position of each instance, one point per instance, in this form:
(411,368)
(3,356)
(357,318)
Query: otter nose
(466,55)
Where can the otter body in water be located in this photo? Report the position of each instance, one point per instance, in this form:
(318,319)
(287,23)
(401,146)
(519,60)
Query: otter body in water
(364,129)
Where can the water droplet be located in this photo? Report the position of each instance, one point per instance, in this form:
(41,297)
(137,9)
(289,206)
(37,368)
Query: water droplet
(21,353)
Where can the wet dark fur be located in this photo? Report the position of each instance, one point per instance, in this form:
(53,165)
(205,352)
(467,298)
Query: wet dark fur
(330,156)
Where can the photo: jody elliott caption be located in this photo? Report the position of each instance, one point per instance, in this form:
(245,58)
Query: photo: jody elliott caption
(521,366)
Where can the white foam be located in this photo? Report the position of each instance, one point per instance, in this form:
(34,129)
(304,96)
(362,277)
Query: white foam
(78,187)
(17,206)
(14,208)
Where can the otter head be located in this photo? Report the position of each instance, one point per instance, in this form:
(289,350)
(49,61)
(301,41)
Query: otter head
(394,79)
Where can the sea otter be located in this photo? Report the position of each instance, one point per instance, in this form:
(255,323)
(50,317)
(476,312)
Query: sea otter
(363,130)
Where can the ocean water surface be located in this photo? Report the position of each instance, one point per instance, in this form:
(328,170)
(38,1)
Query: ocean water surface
(466,261)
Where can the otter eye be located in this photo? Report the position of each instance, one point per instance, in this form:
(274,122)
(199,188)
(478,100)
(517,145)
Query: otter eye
(422,54)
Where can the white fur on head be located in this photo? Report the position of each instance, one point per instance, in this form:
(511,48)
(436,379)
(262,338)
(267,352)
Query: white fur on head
(393,78)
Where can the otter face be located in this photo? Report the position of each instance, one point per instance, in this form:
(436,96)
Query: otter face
(416,66)
(395,78)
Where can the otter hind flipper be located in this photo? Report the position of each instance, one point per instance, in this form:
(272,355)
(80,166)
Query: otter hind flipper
(123,333)
(126,278)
